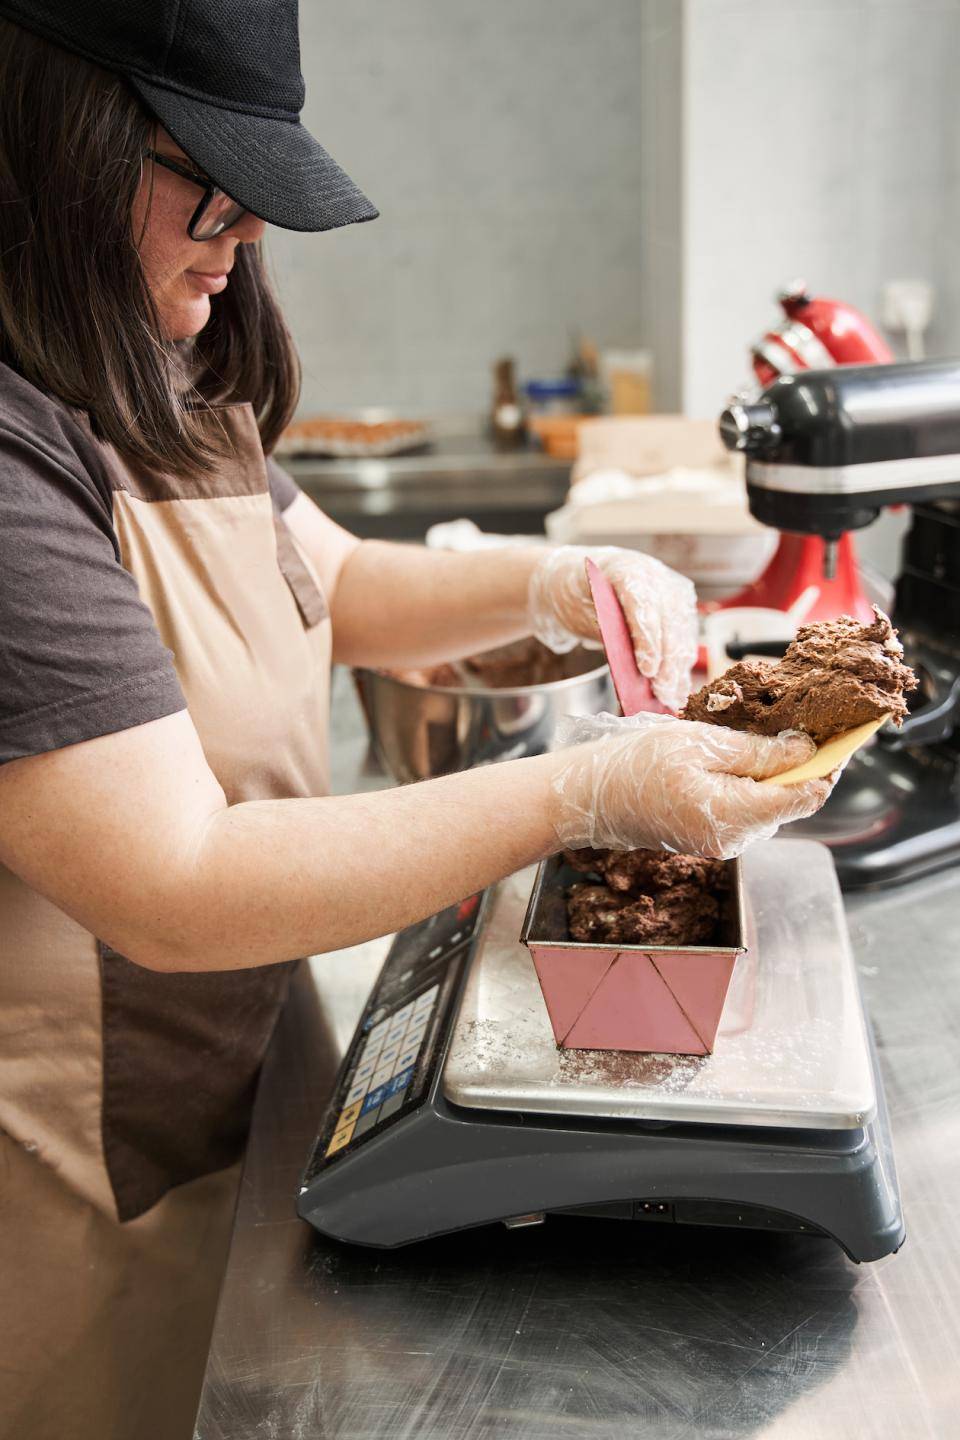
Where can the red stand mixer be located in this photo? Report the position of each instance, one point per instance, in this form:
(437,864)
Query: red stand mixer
(815,334)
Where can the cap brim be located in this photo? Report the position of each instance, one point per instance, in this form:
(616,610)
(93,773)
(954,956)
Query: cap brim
(274,168)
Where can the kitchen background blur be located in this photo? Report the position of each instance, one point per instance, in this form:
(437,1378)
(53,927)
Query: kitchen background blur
(592,176)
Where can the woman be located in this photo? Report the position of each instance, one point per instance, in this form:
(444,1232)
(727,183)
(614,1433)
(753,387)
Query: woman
(169,604)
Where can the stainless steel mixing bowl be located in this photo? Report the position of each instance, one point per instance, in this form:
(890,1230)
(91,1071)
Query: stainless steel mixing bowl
(420,731)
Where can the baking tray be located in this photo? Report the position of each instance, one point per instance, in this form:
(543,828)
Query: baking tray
(363,434)
(664,999)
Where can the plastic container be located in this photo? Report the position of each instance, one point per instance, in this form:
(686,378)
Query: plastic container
(558,435)
(627,377)
(553,397)
(663,999)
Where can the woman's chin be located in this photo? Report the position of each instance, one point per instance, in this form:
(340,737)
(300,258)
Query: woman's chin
(187,318)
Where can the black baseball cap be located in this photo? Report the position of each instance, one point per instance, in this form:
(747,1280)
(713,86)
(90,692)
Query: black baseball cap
(223,77)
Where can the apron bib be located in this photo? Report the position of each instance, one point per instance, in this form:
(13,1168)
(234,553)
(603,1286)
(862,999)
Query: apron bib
(125,1094)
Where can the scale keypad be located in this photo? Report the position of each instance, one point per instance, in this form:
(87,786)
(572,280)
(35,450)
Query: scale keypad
(391,1061)
(379,1082)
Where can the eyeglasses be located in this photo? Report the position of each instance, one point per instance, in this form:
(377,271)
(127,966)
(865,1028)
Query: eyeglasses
(216,211)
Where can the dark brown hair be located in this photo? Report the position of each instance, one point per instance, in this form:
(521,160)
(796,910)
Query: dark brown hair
(76,316)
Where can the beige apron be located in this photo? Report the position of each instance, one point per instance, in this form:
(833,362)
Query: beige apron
(125,1094)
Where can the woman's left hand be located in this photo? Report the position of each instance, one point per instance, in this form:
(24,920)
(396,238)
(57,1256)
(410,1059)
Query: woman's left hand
(660,608)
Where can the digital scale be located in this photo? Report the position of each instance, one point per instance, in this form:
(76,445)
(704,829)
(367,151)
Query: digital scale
(454,1107)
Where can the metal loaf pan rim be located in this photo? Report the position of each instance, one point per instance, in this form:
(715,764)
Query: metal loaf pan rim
(547,872)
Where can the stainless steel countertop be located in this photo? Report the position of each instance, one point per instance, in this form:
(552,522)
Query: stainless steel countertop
(460,473)
(602,1329)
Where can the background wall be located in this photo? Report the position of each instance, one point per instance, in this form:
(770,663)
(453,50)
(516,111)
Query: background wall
(820,140)
(662,171)
(647,171)
(501,143)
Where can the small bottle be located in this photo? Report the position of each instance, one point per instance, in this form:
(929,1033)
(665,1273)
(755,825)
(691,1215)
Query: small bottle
(506,417)
(584,367)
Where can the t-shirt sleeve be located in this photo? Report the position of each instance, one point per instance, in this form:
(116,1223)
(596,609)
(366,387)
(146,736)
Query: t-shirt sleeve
(283,487)
(80,655)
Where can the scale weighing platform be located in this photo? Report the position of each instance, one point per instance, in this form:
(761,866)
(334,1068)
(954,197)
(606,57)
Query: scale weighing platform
(455,1108)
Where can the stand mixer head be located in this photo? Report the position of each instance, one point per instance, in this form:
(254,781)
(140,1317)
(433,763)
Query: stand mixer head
(816,334)
(827,450)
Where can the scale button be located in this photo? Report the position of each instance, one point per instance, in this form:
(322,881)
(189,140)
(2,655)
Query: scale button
(396,1030)
(416,1033)
(350,1114)
(340,1139)
(408,1058)
(374,1100)
(388,1054)
(367,1121)
(400,1082)
(404,1011)
(381,1077)
(357,1091)
(379,1028)
(371,1046)
(391,1106)
(426,1000)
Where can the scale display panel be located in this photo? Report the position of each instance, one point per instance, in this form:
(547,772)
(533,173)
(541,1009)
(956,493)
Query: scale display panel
(386,1069)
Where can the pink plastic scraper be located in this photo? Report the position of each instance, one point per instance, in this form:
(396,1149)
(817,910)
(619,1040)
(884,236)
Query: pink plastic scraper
(633,689)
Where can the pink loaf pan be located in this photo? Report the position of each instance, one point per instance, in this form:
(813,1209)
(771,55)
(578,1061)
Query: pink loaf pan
(663,999)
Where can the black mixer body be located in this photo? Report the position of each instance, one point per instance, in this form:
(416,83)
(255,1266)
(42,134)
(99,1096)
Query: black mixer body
(826,452)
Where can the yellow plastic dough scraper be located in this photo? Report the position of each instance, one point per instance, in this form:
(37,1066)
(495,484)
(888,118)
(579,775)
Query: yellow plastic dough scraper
(832,755)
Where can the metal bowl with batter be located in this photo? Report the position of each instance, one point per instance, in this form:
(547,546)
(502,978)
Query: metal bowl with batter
(421,731)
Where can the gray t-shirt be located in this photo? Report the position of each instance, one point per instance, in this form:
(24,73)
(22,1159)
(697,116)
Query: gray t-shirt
(80,655)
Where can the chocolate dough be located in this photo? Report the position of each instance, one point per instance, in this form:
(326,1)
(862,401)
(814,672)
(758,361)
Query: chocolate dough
(524,662)
(834,675)
(648,898)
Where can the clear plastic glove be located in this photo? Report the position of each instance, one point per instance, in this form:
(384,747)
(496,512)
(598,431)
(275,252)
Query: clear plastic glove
(660,608)
(655,783)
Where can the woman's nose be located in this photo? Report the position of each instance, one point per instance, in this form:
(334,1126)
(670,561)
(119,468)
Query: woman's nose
(249,228)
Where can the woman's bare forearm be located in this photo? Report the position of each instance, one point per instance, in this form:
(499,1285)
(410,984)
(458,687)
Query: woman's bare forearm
(406,605)
(131,835)
(277,879)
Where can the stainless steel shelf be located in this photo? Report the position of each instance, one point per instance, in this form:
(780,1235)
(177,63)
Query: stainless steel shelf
(460,475)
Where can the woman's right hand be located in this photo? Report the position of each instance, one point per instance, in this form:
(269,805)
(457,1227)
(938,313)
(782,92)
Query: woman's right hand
(652,782)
